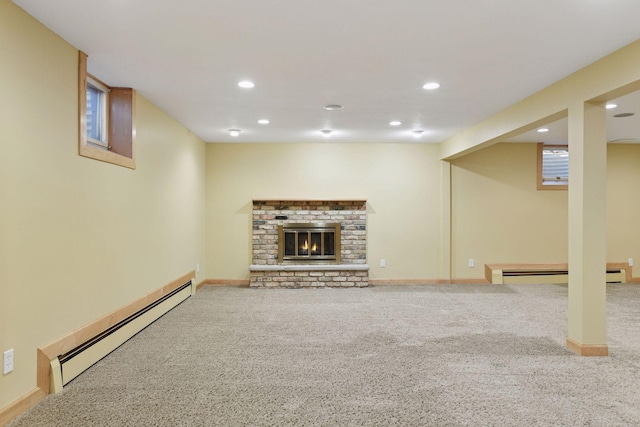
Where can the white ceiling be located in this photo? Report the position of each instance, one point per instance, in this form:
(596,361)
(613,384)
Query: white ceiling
(625,130)
(372,57)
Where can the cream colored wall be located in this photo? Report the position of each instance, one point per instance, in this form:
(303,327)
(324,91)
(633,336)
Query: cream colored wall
(623,204)
(401,183)
(498,216)
(78,237)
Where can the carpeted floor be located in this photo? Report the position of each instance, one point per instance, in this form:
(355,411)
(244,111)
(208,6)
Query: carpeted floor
(442,355)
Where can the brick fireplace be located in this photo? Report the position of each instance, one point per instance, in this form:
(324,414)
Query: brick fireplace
(309,243)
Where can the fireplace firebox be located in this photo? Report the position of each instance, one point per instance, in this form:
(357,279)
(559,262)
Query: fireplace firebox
(309,243)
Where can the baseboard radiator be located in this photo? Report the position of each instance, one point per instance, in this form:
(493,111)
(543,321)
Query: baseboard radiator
(543,275)
(552,276)
(69,365)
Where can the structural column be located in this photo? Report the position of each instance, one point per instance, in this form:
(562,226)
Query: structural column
(587,230)
(445,221)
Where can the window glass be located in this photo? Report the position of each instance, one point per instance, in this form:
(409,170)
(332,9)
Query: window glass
(555,166)
(96,114)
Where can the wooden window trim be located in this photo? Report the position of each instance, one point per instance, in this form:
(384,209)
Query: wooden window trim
(540,183)
(121,125)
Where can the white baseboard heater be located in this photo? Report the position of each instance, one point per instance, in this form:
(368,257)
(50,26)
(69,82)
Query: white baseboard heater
(533,274)
(69,365)
(552,276)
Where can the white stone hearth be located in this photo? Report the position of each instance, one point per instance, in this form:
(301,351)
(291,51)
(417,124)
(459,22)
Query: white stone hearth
(310,267)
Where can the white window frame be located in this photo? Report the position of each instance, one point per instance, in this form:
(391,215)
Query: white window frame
(104,112)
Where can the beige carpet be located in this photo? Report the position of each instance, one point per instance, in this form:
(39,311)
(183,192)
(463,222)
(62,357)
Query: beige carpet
(442,355)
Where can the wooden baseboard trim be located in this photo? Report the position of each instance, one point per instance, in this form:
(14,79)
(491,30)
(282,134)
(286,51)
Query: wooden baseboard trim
(21,405)
(470,282)
(587,349)
(223,282)
(428,282)
(385,282)
(52,350)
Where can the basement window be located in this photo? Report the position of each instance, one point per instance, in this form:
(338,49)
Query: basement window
(553,167)
(97,112)
(107,120)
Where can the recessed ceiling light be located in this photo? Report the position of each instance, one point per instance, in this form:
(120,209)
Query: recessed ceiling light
(610,106)
(326,132)
(395,123)
(246,84)
(622,115)
(417,133)
(234,132)
(431,86)
(263,121)
(333,107)
(543,130)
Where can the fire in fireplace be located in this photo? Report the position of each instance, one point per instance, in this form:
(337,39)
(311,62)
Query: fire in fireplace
(309,242)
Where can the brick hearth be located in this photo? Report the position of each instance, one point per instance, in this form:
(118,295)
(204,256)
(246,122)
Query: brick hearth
(353,270)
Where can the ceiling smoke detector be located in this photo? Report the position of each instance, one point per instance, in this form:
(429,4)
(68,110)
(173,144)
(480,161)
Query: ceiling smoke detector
(623,115)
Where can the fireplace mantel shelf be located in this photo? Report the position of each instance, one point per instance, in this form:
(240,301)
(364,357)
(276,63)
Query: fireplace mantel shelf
(310,267)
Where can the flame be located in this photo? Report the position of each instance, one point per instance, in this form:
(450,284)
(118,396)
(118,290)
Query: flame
(305,247)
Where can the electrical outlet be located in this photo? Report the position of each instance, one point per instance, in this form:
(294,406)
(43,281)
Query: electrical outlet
(630,262)
(8,361)
(472,263)
(198,268)
(383,263)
